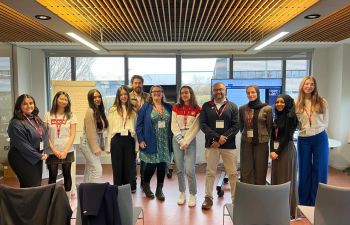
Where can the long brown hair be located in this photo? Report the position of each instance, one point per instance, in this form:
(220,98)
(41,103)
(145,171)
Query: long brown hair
(99,111)
(118,104)
(317,102)
(192,101)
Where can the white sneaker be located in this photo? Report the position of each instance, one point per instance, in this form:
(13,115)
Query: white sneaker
(182,198)
(192,201)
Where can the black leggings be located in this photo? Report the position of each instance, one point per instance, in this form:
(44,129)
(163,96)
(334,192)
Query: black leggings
(66,171)
(149,169)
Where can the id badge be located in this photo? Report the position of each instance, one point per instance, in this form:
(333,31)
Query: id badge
(41,145)
(161,124)
(250,133)
(276,144)
(219,124)
(124,133)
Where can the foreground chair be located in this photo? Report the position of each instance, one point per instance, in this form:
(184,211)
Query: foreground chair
(128,214)
(332,206)
(260,204)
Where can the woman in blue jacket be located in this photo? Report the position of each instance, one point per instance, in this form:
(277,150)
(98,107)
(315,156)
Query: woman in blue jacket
(154,134)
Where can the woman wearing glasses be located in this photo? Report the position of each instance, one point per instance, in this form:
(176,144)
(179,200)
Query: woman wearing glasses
(155,139)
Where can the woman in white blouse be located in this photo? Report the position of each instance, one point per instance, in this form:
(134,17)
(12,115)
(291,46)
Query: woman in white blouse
(121,137)
(313,150)
(61,124)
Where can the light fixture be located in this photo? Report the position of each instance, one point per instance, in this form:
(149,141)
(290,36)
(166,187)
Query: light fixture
(312,16)
(42,17)
(83,41)
(269,41)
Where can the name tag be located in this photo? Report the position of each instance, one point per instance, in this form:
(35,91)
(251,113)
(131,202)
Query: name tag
(161,124)
(250,133)
(219,124)
(276,144)
(41,145)
(124,133)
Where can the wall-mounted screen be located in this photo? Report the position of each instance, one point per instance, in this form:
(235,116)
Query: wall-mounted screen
(269,89)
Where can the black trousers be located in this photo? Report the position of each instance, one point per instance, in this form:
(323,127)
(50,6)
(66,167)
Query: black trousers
(149,169)
(123,158)
(28,175)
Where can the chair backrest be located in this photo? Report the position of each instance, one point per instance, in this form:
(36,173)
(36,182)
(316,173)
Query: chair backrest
(125,204)
(332,205)
(261,204)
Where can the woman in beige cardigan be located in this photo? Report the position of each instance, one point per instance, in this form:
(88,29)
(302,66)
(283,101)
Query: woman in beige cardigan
(255,126)
(92,141)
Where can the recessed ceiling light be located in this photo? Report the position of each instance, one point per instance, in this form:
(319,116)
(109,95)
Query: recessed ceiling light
(312,16)
(42,17)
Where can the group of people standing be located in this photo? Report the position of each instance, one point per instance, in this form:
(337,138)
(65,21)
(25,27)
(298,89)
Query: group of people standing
(146,123)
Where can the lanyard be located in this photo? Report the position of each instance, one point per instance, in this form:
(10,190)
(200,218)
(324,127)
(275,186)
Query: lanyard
(185,113)
(309,115)
(38,128)
(250,115)
(58,123)
(276,133)
(124,121)
(159,112)
(219,113)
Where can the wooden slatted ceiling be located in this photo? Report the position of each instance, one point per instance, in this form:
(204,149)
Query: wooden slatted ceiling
(177,20)
(333,28)
(15,27)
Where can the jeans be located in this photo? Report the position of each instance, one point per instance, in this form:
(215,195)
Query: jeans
(93,167)
(185,162)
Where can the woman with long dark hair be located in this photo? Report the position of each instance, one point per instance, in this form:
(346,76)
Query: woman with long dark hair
(282,149)
(121,137)
(255,125)
(155,139)
(61,124)
(28,142)
(185,126)
(92,142)
(313,147)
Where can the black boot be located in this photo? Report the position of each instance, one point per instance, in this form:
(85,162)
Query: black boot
(146,188)
(159,193)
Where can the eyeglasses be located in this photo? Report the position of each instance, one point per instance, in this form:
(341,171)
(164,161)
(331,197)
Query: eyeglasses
(157,92)
(218,89)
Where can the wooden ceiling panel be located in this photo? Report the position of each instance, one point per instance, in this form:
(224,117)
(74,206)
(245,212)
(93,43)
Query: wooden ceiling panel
(177,21)
(333,28)
(15,27)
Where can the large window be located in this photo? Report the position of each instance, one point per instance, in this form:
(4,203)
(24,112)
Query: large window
(156,71)
(60,68)
(296,70)
(198,73)
(5,102)
(108,72)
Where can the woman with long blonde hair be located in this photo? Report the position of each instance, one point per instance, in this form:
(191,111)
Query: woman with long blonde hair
(312,113)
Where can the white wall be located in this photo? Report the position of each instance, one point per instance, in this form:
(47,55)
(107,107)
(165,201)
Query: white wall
(331,68)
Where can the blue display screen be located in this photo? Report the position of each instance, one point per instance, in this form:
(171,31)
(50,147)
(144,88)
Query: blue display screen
(269,89)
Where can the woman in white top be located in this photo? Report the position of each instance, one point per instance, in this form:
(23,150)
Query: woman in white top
(185,126)
(61,124)
(121,137)
(313,150)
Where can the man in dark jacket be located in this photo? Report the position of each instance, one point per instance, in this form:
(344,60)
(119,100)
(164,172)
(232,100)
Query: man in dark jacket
(219,122)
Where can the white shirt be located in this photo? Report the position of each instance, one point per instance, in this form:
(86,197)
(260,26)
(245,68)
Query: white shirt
(59,130)
(118,124)
(318,123)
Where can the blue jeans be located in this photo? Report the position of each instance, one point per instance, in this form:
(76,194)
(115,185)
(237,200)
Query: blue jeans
(313,154)
(185,162)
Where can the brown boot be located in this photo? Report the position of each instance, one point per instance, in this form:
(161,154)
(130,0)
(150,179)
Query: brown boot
(208,203)
(146,188)
(159,192)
